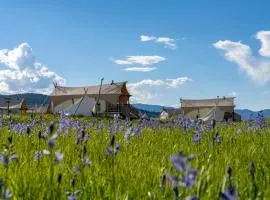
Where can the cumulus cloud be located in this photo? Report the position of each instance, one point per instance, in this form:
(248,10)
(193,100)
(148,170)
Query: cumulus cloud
(140,69)
(166,41)
(21,72)
(147,90)
(256,67)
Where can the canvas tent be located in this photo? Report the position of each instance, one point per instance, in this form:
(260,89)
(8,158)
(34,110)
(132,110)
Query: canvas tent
(114,97)
(207,109)
(81,106)
(164,115)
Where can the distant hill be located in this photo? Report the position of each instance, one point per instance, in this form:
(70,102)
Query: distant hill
(31,98)
(247,114)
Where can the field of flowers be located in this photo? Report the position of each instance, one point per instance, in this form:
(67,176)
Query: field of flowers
(59,157)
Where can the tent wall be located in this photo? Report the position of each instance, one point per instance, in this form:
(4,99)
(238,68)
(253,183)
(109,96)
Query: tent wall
(203,111)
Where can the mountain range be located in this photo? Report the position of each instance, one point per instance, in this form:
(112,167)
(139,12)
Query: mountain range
(33,99)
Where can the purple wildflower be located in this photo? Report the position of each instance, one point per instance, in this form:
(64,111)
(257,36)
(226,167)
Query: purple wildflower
(38,155)
(76,170)
(7,194)
(58,157)
(196,138)
(191,198)
(108,150)
(229,194)
(117,148)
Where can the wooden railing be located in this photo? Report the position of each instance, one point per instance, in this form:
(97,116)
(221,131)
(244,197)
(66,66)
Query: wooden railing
(123,109)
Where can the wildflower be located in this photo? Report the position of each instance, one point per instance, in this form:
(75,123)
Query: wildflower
(196,138)
(51,141)
(108,151)
(38,155)
(7,194)
(87,161)
(217,138)
(189,179)
(229,194)
(76,170)
(117,148)
(46,152)
(58,157)
(191,198)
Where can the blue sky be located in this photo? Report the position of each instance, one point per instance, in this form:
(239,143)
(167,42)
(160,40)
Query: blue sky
(78,43)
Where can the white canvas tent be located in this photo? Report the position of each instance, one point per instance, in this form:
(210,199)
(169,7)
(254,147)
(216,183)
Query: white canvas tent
(215,113)
(79,106)
(164,115)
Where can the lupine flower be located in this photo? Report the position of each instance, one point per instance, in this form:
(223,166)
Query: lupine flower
(51,141)
(229,194)
(117,148)
(4,159)
(217,138)
(191,198)
(189,179)
(196,138)
(58,157)
(87,161)
(76,170)
(38,155)
(7,194)
(108,150)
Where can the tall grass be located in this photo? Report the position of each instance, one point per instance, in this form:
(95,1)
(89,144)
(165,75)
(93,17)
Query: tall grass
(139,165)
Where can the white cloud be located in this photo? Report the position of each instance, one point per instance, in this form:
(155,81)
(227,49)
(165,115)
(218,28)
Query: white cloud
(166,41)
(22,72)
(142,60)
(264,37)
(146,38)
(146,91)
(140,69)
(256,67)
(173,83)
(232,94)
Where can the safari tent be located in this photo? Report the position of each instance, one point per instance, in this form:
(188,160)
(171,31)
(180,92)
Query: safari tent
(113,98)
(208,109)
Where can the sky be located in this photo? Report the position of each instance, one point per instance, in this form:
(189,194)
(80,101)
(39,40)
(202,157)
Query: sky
(166,50)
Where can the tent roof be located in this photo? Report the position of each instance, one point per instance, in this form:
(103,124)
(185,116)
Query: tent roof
(221,102)
(112,89)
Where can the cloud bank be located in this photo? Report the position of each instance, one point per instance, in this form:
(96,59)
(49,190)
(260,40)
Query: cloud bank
(21,72)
